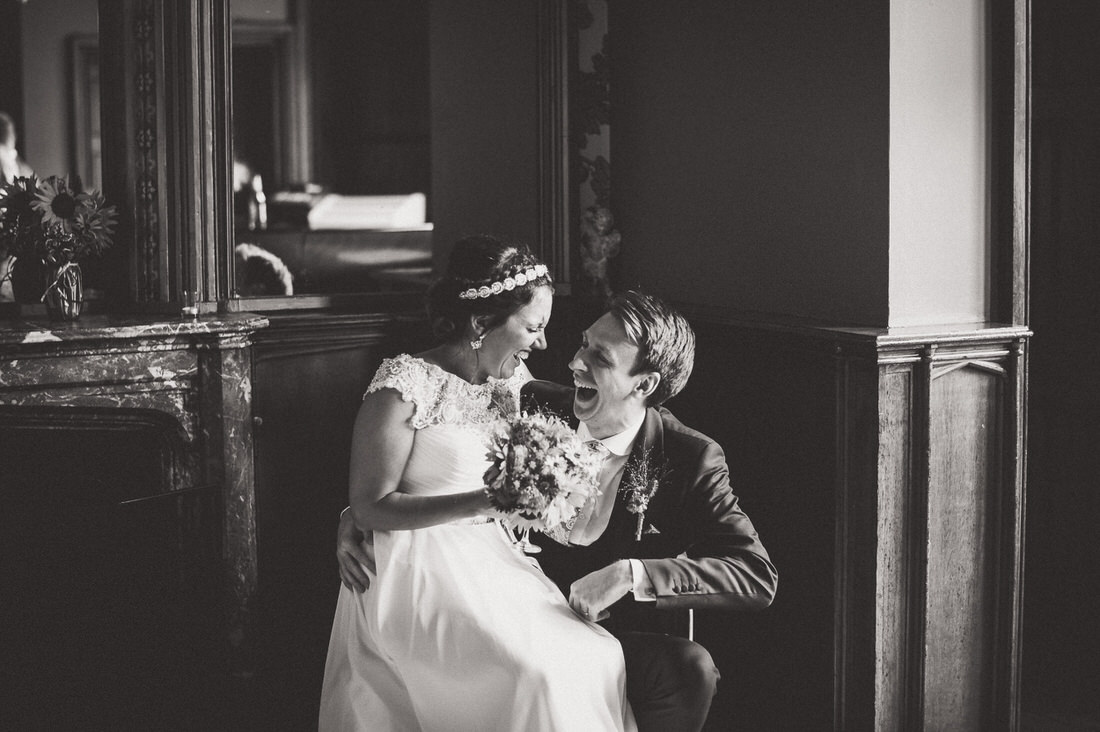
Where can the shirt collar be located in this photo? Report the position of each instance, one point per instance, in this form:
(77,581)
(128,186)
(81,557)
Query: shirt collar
(620,443)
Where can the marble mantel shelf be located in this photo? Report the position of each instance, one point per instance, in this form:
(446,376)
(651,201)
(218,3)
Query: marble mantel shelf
(110,327)
(189,378)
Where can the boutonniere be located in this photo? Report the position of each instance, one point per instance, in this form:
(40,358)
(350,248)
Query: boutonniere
(641,479)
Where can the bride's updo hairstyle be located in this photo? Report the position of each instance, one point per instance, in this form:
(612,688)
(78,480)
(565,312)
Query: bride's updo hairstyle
(485,277)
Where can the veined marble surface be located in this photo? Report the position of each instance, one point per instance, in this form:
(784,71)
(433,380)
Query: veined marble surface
(32,329)
(195,375)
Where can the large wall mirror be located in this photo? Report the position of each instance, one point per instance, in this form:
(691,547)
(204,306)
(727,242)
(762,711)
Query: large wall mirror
(331,146)
(380,131)
(49,88)
(377,132)
(50,59)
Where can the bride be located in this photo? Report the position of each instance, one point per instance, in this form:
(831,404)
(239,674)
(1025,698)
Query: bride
(459,630)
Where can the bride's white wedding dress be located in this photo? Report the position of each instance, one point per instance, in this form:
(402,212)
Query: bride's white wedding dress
(459,630)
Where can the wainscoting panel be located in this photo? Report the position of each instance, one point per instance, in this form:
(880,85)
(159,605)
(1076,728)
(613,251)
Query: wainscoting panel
(964,482)
(895,512)
(946,546)
(882,469)
(311,371)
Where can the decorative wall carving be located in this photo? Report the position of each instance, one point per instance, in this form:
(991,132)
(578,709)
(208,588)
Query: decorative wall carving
(146,141)
(590,138)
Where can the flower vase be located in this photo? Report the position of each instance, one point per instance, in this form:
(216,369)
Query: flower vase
(28,279)
(64,297)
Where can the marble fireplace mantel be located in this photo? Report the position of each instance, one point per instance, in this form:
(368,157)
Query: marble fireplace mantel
(192,375)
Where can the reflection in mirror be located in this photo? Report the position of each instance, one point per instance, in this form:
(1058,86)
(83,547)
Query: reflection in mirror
(49,88)
(51,45)
(332,149)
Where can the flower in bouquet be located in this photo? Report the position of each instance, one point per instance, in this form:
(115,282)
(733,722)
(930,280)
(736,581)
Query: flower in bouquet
(541,473)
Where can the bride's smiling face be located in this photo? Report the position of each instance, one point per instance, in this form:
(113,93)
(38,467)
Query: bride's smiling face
(524,331)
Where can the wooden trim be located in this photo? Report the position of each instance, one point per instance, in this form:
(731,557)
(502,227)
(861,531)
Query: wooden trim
(84,98)
(1021,167)
(841,575)
(916,542)
(1010,158)
(412,300)
(555,217)
(299,99)
(1012,514)
(132,139)
(196,57)
(297,333)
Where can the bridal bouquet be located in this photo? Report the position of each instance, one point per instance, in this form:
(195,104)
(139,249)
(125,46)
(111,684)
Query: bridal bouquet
(541,473)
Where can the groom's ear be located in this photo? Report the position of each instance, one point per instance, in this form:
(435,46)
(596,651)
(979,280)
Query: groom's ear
(647,383)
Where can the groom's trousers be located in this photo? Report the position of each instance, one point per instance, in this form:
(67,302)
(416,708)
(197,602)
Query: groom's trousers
(670,681)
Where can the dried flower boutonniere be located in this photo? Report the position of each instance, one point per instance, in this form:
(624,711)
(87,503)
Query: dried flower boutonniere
(641,479)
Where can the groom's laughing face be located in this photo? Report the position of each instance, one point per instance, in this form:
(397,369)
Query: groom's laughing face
(608,397)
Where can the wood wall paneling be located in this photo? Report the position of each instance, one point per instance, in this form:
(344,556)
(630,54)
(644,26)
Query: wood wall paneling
(894,519)
(963,488)
(943,545)
(311,371)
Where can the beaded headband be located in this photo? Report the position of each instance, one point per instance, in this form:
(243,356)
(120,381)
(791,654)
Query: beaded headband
(508,283)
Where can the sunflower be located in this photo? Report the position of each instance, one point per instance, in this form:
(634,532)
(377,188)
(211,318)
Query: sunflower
(53,223)
(57,204)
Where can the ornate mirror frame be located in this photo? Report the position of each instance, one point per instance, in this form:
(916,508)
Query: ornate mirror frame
(165,76)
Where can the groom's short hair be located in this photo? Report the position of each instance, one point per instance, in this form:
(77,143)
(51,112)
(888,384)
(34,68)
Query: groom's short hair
(665,340)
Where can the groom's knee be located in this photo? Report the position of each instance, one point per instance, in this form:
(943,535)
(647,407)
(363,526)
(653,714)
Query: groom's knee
(671,681)
(668,662)
(695,668)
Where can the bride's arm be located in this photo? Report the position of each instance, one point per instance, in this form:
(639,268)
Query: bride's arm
(380,447)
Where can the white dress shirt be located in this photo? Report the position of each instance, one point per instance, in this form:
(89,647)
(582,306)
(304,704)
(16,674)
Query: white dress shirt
(595,515)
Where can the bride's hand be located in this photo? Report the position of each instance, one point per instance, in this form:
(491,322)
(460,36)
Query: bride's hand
(351,556)
(491,474)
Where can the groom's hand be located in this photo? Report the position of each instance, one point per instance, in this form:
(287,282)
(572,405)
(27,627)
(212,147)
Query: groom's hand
(351,556)
(592,594)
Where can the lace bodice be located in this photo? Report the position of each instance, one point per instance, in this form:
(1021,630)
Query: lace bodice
(442,398)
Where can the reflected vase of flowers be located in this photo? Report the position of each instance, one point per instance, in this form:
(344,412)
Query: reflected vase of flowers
(64,297)
(47,227)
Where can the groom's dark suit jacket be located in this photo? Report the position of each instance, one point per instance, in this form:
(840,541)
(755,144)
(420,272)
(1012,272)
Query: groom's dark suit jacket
(698,547)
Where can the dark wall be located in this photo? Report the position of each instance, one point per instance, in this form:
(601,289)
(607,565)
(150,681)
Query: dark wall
(753,138)
(770,402)
(11,59)
(1061,639)
(484,120)
(370,82)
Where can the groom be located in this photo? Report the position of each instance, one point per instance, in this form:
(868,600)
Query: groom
(691,546)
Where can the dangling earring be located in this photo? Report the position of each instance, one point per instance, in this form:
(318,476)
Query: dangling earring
(476,343)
